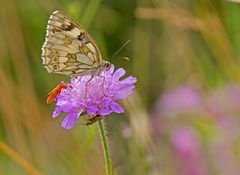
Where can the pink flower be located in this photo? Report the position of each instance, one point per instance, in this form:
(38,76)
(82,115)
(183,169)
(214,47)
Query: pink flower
(93,95)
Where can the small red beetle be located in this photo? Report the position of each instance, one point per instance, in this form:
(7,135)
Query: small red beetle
(55,92)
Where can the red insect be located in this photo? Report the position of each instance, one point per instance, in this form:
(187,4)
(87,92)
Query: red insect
(55,92)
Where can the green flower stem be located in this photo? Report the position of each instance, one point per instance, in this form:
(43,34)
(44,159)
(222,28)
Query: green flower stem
(106,150)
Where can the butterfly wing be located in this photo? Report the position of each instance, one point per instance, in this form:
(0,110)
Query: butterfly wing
(68,48)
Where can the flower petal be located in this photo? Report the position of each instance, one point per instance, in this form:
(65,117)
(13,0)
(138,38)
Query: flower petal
(119,73)
(67,107)
(104,112)
(111,69)
(70,120)
(105,102)
(57,111)
(91,110)
(123,93)
(129,80)
(116,107)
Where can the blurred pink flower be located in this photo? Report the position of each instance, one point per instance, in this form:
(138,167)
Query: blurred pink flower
(224,156)
(182,99)
(223,106)
(186,147)
(226,99)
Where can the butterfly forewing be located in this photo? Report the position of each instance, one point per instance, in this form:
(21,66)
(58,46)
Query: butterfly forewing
(68,48)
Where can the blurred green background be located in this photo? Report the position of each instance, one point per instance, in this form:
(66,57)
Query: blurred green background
(183,118)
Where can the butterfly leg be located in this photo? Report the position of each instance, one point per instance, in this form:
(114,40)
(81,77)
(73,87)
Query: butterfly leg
(87,85)
(79,80)
(103,82)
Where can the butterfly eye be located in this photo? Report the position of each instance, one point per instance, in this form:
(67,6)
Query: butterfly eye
(108,65)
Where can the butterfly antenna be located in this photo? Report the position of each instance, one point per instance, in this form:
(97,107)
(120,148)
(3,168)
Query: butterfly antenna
(126,43)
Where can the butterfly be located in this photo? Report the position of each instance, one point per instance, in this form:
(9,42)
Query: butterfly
(69,49)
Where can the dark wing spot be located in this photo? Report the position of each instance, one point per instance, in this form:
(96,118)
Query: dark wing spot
(55,67)
(67,27)
(80,37)
(54,59)
(54,30)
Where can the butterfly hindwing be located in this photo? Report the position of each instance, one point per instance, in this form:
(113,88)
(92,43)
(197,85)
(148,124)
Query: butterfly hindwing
(68,48)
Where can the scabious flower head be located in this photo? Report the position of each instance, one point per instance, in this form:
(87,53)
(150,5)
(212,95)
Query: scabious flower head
(95,95)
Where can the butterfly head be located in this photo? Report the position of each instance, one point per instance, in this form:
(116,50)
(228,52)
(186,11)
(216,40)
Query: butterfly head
(106,65)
